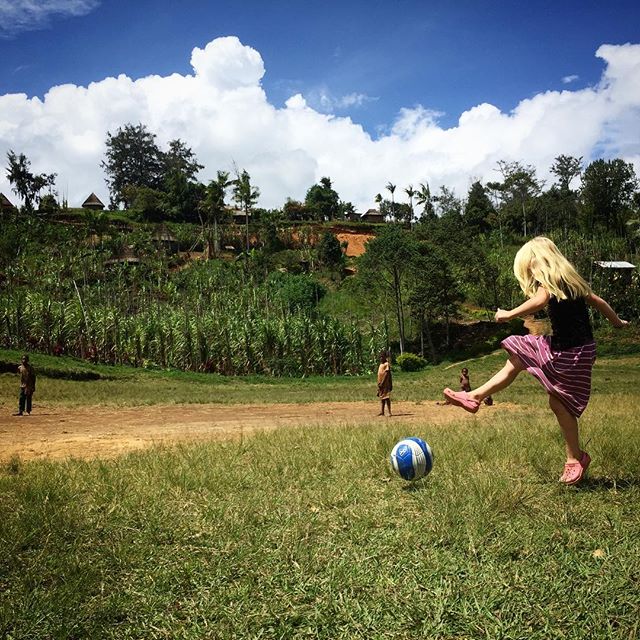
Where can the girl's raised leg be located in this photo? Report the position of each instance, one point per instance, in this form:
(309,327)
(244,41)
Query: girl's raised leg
(500,380)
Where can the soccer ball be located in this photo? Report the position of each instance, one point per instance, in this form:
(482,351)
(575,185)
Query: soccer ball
(412,458)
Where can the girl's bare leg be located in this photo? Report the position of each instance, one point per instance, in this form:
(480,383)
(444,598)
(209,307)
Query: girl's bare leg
(500,380)
(569,425)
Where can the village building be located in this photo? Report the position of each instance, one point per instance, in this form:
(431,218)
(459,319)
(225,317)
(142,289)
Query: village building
(353,216)
(163,237)
(6,206)
(372,215)
(93,202)
(616,270)
(126,256)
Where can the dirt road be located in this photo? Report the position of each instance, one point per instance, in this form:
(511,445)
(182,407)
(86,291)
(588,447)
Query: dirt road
(56,432)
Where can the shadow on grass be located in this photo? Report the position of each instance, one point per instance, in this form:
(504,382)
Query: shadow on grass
(415,485)
(607,484)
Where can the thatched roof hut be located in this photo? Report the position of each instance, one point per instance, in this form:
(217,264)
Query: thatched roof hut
(372,215)
(93,202)
(163,236)
(126,256)
(5,204)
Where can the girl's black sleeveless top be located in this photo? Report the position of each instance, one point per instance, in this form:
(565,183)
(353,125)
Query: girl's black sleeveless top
(570,323)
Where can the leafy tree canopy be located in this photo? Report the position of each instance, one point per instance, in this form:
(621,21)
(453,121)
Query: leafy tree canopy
(323,200)
(26,184)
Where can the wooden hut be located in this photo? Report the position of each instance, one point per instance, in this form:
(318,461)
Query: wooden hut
(6,206)
(126,256)
(372,215)
(166,239)
(93,202)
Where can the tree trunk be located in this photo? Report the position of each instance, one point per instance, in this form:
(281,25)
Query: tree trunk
(432,349)
(396,286)
(246,222)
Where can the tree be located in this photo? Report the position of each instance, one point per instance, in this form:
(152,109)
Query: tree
(181,159)
(183,197)
(398,212)
(518,188)
(477,209)
(323,200)
(246,195)
(145,203)
(389,260)
(425,200)
(566,169)
(212,209)
(411,192)
(132,159)
(607,193)
(296,210)
(26,184)
(434,294)
(330,252)
(346,209)
(391,188)
(449,205)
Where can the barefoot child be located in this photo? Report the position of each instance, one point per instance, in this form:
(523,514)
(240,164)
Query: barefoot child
(27,386)
(465,383)
(562,363)
(385,384)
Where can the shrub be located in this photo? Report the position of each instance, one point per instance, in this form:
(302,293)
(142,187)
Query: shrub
(411,362)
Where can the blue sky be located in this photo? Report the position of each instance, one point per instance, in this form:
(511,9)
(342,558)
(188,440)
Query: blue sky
(447,56)
(404,71)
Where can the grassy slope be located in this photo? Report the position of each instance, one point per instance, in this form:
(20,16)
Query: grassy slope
(291,535)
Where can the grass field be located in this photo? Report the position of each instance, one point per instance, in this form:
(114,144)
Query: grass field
(308,534)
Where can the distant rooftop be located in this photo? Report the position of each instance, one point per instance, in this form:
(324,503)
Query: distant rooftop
(615,264)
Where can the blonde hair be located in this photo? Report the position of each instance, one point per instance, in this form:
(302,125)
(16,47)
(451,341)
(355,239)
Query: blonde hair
(539,262)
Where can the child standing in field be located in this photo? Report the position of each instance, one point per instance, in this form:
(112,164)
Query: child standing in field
(385,383)
(27,386)
(465,383)
(562,363)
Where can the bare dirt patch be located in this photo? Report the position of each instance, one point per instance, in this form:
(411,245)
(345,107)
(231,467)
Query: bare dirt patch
(356,242)
(56,432)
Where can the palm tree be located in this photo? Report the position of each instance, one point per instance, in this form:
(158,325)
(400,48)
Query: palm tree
(246,196)
(425,200)
(391,189)
(410,191)
(212,209)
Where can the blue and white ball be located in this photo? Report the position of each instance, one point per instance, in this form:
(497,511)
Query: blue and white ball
(412,458)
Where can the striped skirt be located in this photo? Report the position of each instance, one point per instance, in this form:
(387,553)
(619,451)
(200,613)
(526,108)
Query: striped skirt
(565,374)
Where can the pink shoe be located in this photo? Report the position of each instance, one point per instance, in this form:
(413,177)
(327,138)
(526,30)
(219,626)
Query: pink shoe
(462,399)
(575,471)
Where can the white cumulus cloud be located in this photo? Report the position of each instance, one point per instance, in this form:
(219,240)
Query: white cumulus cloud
(222,112)
(570,79)
(27,15)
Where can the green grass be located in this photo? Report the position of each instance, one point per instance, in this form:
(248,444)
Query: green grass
(308,534)
(60,383)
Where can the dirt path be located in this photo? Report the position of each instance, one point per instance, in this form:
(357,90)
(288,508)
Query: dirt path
(89,432)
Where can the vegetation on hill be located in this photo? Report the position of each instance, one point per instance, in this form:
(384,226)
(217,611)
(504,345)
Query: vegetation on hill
(269,293)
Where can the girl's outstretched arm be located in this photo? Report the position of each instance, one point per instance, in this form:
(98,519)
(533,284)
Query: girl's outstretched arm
(603,307)
(539,301)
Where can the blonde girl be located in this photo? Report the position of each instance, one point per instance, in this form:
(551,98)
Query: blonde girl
(562,362)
